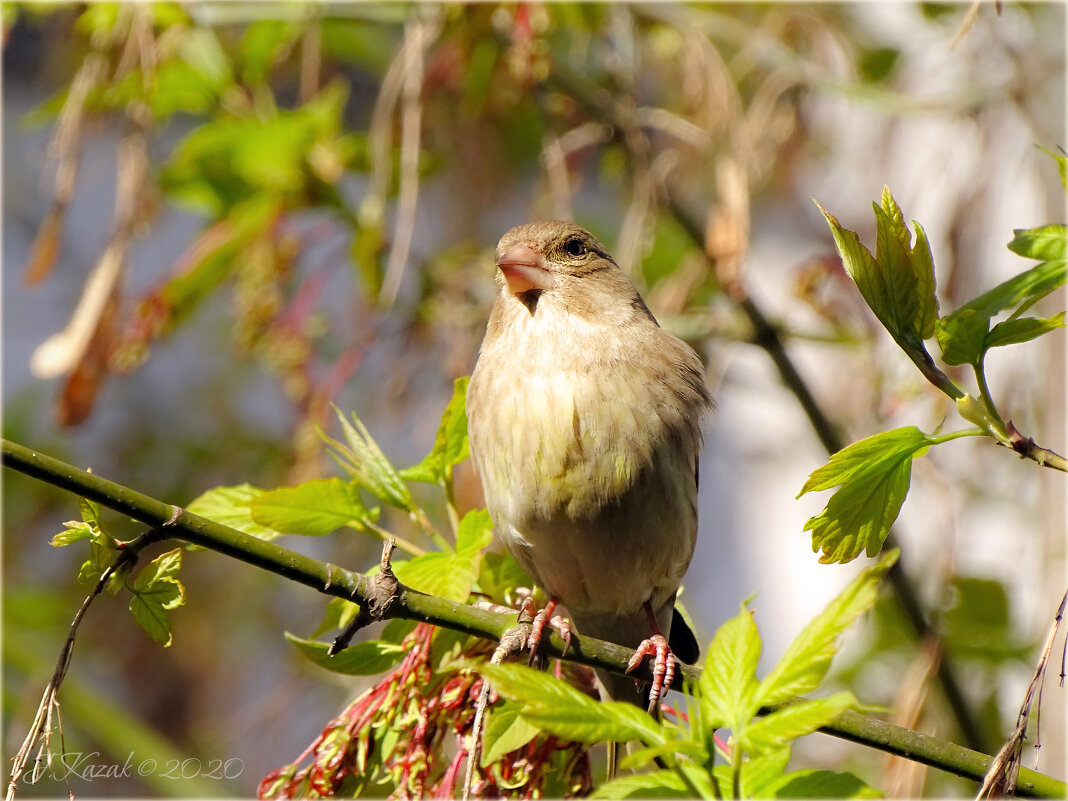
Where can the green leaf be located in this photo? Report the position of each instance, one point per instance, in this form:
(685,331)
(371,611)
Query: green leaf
(641,757)
(874,475)
(785,725)
(558,708)
(898,283)
(820,784)
(261,44)
(475,533)
(362,659)
(500,574)
(758,773)
(312,509)
(505,732)
(962,334)
(201,50)
(450,444)
(450,575)
(230,506)
(728,682)
(156,592)
(90,512)
(805,663)
(162,568)
(339,613)
(366,463)
(87,528)
(657,784)
(1045,243)
(75,531)
(1022,329)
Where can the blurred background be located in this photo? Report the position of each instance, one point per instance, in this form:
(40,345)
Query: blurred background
(219,218)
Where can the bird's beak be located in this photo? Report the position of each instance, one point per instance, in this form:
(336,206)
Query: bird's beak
(524,269)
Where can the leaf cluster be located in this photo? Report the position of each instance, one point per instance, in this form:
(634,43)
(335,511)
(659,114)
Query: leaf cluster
(898,283)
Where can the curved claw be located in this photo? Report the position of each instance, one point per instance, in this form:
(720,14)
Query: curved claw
(663,667)
(541,620)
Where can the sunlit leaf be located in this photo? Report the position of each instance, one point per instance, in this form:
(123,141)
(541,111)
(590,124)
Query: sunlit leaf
(230,507)
(368,465)
(505,732)
(784,725)
(656,784)
(1022,329)
(312,509)
(874,476)
(728,682)
(558,708)
(365,658)
(818,784)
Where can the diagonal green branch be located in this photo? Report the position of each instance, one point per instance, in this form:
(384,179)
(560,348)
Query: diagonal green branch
(171,521)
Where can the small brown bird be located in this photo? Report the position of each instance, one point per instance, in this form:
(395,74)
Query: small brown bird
(584,423)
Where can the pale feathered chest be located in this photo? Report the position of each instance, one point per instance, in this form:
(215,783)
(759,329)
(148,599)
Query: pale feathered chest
(579,410)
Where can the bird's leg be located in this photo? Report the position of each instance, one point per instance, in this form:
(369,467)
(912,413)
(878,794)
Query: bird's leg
(657,647)
(544,617)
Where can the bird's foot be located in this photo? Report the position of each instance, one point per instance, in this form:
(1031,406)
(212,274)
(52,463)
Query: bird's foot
(663,667)
(541,619)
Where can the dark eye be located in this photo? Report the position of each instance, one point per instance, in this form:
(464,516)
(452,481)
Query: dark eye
(575,247)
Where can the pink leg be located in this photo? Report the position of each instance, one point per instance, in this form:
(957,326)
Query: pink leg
(657,647)
(541,619)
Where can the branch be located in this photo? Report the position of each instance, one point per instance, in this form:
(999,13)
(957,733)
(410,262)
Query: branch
(409,604)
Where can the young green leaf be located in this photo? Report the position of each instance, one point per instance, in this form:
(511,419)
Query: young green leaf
(643,757)
(368,465)
(339,613)
(874,476)
(728,682)
(558,708)
(230,506)
(157,591)
(758,773)
(505,732)
(784,725)
(474,533)
(657,784)
(312,509)
(75,531)
(1022,329)
(1045,243)
(898,283)
(87,528)
(805,663)
(816,784)
(450,575)
(450,445)
(365,658)
(962,335)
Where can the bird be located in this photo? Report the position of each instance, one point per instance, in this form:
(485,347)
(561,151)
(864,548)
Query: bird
(584,425)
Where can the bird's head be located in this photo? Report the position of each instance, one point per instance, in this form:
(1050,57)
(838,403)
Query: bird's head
(565,262)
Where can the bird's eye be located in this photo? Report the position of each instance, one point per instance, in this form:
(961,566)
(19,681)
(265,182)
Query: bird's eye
(575,247)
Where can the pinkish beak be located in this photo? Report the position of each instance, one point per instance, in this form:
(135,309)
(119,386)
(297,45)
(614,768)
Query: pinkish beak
(524,269)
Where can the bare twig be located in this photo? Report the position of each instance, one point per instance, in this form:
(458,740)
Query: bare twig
(1001,778)
(43,726)
(419,33)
